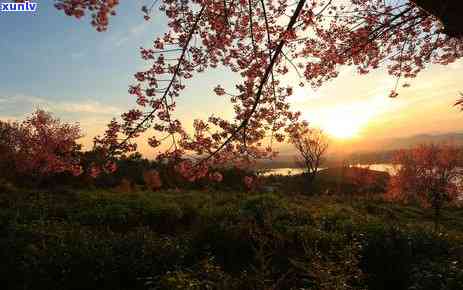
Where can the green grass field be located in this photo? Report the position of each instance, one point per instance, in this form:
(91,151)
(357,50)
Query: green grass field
(222,240)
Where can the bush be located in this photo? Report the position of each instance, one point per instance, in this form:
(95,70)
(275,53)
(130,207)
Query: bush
(152,180)
(202,240)
(73,258)
(205,275)
(431,275)
(399,259)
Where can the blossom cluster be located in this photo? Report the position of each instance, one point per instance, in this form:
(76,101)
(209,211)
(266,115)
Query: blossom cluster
(254,40)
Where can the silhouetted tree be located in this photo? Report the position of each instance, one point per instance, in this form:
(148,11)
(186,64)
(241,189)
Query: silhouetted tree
(311,144)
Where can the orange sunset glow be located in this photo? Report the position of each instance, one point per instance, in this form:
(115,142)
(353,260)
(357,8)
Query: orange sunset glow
(231,145)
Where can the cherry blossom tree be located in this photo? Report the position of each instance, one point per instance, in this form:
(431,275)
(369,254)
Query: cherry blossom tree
(43,145)
(262,41)
(429,174)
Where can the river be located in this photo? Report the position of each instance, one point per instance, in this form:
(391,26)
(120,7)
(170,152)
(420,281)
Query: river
(385,167)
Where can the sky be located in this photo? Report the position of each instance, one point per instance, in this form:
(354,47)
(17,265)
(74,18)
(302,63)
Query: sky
(51,61)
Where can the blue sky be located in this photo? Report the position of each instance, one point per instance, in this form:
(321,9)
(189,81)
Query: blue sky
(49,55)
(46,45)
(52,61)
(62,64)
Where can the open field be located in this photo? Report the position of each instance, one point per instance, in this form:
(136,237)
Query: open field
(221,240)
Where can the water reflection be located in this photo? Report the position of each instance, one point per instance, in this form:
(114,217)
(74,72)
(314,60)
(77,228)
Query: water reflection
(385,167)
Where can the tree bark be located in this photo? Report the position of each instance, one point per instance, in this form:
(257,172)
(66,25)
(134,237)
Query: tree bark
(448,12)
(437,214)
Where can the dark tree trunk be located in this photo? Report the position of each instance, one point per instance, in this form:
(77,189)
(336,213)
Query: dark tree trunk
(448,12)
(437,215)
(309,180)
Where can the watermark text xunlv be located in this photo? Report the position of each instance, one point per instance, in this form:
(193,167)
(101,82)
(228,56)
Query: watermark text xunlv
(25,6)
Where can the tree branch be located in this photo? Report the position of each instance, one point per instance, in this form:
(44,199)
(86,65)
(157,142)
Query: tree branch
(263,81)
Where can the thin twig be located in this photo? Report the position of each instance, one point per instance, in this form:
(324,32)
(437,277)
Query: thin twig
(174,76)
(263,81)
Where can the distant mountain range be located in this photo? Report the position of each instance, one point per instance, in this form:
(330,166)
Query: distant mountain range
(407,142)
(364,151)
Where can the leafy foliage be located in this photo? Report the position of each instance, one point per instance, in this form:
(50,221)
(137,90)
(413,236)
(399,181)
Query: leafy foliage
(195,240)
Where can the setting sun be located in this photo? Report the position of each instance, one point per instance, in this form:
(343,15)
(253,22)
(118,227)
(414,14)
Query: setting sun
(351,119)
(344,122)
(342,129)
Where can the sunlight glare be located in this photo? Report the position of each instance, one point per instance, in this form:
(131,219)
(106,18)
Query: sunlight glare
(348,121)
(351,119)
(342,130)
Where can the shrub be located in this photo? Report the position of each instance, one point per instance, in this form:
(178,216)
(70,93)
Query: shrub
(201,240)
(125,186)
(260,207)
(399,259)
(152,180)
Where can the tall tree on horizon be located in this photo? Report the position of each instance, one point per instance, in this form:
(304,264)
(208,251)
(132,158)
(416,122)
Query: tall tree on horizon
(311,145)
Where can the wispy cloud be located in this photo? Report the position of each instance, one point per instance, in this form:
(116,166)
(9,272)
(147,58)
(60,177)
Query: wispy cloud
(8,118)
(77,55)
(132,32)
(19,105)
(92,107)
(91,115)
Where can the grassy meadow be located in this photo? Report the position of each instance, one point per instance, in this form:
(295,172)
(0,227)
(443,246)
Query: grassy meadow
(210,239)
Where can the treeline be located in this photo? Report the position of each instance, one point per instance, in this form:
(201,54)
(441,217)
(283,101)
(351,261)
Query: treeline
(42,151)
(134,173)
(372,157)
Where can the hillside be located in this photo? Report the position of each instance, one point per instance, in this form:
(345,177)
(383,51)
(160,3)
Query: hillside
(222,240)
